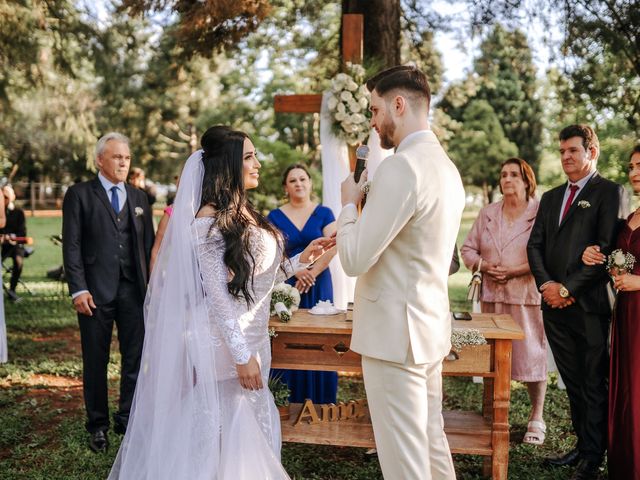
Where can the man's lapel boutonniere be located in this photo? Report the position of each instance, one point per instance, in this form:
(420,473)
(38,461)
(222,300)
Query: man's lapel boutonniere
(584,204)
(366,186)
(138,211)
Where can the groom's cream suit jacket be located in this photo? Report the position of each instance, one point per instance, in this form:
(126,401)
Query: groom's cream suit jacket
(400,248)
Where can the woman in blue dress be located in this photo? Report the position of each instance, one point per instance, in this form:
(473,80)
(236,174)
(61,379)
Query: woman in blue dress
(301,220)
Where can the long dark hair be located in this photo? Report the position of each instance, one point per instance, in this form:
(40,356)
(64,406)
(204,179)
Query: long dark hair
(223,189)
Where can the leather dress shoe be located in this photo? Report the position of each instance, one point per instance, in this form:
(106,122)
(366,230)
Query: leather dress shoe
(570,458)
(98,441)
(119,428)
(587,470)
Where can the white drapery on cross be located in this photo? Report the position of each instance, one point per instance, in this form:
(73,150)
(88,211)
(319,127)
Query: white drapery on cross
(335,168)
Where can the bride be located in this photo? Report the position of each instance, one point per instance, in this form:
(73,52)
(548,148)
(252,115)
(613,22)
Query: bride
(201,408)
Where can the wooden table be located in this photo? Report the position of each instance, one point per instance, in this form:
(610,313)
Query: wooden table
(312,342)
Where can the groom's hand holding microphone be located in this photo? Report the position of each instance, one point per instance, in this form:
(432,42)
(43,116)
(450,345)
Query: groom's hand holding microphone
(351,188)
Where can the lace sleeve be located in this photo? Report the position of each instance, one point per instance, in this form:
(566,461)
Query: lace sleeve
(290,266)
(220,303)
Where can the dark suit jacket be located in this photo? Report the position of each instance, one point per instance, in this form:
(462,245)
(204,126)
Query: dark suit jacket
(555,251)
(16,222)
(89,234)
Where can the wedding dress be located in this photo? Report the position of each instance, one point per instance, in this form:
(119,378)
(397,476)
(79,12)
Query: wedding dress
(190,418)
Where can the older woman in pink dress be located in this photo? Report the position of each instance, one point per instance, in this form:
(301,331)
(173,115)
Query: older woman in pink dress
(498,242)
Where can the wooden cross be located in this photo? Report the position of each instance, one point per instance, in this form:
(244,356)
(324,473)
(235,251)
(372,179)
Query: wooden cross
(352,51)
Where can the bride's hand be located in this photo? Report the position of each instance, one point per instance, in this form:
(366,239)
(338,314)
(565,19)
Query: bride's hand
(249,374)
(317,248)
(592,256)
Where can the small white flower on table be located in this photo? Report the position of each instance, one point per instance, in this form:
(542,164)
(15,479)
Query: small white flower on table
(138,211)
(584,204)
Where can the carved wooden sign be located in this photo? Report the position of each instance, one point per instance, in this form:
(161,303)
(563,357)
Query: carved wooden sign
(331,412)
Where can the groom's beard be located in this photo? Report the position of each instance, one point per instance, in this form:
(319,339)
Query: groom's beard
(387,130)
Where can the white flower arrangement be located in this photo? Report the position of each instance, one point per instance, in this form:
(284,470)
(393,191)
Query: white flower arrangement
(466,336)
(138,211)
(284,301)
(620,261)
(348,104)
(366,186)
(584,204)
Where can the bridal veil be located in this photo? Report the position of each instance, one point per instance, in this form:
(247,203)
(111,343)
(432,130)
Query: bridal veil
(178,428)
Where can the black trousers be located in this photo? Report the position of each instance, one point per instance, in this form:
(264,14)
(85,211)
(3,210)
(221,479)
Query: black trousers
(578,341)
(16,252)
(95,335)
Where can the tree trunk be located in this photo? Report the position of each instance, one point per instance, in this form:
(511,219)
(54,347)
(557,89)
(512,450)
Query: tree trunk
(486,191)
(381,30)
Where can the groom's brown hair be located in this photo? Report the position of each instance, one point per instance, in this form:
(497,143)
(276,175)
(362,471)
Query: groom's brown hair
(401,77)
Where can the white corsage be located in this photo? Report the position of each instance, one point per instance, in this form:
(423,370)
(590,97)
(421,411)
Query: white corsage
(461,338)
(366,186)
(138,211)
(584,204)
(284,301)
(621,262)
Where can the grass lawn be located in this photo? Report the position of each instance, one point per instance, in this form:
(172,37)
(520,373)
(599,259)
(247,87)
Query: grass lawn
(42,418)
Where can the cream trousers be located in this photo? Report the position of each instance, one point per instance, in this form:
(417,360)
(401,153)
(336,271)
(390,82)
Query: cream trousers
(405,402)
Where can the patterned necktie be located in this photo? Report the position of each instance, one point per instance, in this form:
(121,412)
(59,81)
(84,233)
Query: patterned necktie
(115,202)
(572,195)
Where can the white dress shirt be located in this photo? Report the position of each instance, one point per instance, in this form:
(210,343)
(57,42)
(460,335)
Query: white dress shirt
(580,184)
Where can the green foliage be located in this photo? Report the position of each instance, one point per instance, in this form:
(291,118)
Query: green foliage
(501,92)
(600,48)
(508,82)
(602,39)
(480,146)
(206,26)
(279,390)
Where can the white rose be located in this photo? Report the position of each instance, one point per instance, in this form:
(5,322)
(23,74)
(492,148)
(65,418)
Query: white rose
(358,70)
(354,106)
(347,127)
(619,258)
(296,299)
(339,116)
(352,86)
(346,96)
(341,108)
(364,103)
(332,103)
(363,91)
(343,77)
(357,118)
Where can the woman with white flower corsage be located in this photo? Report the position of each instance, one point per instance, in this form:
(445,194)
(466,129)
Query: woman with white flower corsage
(202,408)
(497,245)
(624,375)
(301,220)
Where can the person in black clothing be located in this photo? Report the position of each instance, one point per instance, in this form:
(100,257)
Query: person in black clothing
(16,226)
(108,234)
(585,210)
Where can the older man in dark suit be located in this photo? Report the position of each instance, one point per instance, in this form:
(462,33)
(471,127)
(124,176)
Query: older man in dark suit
(584,211)
(108,235)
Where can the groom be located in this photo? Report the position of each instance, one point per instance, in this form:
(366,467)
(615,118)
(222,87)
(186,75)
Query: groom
(400,249)
(107,239)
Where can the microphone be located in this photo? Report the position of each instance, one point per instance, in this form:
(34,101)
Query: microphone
(362,154)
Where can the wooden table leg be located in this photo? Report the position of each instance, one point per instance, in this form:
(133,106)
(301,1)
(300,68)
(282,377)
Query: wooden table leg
(501,397)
